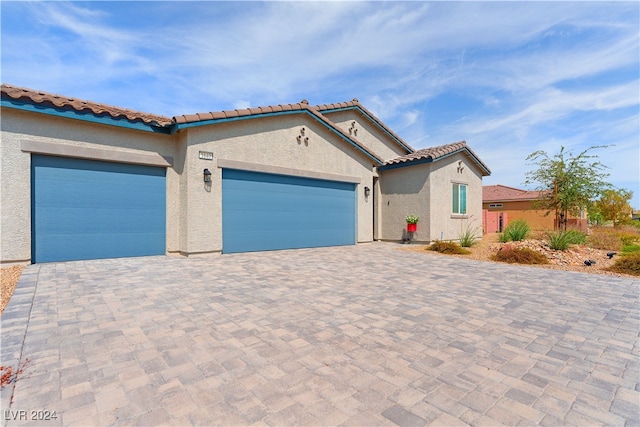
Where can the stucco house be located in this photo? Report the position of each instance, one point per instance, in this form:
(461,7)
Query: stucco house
(502,204)
(82,180)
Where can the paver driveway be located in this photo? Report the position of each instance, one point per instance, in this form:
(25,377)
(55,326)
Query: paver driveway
(357,335)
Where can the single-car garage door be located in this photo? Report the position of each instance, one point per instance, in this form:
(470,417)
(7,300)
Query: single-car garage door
(85,209)
(263,211)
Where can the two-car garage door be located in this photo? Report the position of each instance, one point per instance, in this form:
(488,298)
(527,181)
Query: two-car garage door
(262,211)
(86,209)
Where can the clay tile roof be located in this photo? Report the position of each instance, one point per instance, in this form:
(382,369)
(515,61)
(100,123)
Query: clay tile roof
(434,153)
(501,193)
(30,96)
(429,153)
(242,112)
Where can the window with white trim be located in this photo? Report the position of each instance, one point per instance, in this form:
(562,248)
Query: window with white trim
(459,199)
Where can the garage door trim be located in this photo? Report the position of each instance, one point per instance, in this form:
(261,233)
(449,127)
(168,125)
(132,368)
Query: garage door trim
(89,209)
(279,170)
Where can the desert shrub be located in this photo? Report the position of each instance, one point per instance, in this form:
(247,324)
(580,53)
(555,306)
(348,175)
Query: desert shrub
(628,264)
(630,248)
(576,237)
(448,248)
(560,240)
(503,238)
(468,236)
(604,239)
(514,255)
(517,230)
(629,238)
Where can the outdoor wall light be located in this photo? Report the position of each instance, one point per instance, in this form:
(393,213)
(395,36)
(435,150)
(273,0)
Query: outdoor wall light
(206,174)
(367,191)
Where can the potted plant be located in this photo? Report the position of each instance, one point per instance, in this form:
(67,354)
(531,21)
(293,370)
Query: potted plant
(412,223)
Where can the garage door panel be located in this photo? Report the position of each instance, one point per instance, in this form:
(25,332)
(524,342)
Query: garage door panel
(266,212)
(84,209)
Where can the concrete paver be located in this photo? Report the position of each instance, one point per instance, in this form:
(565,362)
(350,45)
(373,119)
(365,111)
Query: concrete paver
(356,335)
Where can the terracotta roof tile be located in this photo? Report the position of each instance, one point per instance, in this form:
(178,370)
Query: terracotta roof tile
(429,153)
(434,153)
(497,193)
(57,101)
(61,102)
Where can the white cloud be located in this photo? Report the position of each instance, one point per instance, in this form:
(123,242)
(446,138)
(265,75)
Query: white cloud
(526,72)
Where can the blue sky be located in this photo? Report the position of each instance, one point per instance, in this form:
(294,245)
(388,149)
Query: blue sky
(510,78)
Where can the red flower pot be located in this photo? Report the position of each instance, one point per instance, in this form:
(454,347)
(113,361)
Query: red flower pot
(412,227)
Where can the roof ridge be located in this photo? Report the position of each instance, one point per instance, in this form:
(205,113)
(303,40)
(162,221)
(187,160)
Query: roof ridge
(60,101)
(508,186)
(356,103)
(239,112)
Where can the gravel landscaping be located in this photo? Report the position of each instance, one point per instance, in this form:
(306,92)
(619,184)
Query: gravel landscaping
(570,260)
(10,277)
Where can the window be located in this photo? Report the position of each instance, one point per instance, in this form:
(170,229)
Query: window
(495,205)
(459,199)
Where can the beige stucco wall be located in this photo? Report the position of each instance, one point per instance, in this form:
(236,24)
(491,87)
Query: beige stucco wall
(19,127)
(367,133)
(425,190)
(268,142)
(443,224)
(404,191)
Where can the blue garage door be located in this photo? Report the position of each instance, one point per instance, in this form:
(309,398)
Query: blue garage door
(85,209)
(266,212)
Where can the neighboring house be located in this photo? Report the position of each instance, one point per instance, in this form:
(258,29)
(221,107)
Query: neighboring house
(82,180)
(502,205)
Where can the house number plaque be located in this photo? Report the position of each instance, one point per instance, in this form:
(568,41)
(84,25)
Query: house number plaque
(205,155)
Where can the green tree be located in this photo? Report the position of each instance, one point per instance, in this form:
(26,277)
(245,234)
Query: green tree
(567,182)
(614,205)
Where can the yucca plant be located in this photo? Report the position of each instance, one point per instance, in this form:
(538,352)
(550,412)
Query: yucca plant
(561,240)
(558,240)
(517,230)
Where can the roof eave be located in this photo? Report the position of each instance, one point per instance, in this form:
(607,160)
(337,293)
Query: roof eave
(485,171)
(84,116)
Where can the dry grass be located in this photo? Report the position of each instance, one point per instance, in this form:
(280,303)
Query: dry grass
(628,264)
(10,277)
(513,255)
(448,248)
